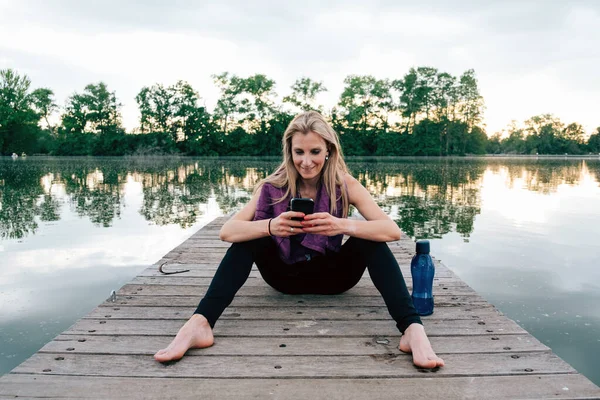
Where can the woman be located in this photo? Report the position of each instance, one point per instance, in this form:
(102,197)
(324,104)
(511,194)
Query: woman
(297,253)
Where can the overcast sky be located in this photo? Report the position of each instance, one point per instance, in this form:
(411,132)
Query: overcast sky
(530,57)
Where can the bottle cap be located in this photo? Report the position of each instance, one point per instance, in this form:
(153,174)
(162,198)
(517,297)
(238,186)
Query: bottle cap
(423,246)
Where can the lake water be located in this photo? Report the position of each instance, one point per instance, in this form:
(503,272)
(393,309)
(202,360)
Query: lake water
(523,233)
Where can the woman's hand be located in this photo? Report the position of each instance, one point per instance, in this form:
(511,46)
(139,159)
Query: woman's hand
(285,226)
(323,223)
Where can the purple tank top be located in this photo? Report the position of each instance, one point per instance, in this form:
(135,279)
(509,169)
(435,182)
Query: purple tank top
(300,247)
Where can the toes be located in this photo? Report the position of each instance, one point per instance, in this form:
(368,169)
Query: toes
(427,364)
(431,361)
(161,352)
(163,355)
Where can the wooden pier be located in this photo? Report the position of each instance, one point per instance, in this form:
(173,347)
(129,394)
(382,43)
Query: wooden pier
(274,346)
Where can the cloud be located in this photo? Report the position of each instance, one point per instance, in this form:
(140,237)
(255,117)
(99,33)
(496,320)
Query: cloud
(528,55)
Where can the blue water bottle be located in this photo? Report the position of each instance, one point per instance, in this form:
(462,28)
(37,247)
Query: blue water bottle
(422,271)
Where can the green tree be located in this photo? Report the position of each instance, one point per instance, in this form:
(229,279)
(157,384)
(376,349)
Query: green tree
(18,121)
(91,123)
(157,110)
(185,102)
(493,144)
(261,91)
(476,141)
(409,103)
(445,96)
(229,104)
(546,130)
(425,89)
(243,111)
(593,144)
(366,102)
(425,138)
(174,112)
(103,109)
(74,119)
(515,142)
(471,102)
(96,110)
(45,105)
(573,137)
(304,92)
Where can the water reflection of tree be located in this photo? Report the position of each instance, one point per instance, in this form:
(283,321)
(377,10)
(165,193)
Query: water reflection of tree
(542,175)
(174,190)
(168,201)
(49,208)
(427,199)
(101,204)
(95,193)
(593,169)
(176,198)
(17,215)
(20,189)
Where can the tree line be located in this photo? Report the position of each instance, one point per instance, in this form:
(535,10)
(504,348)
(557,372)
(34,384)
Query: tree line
(426,112)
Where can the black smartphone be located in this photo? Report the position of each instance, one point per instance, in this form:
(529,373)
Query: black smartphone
(303,205)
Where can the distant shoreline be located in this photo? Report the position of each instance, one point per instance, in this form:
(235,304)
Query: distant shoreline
(348,158)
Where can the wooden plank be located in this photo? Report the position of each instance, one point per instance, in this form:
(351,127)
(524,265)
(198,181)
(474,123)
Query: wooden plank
(204,264)
(215,259)
(263,290)
(292,346)
(310,328)
(208,271)
(170,266)
(282,300)
(560,386)
(371,366)
(404,262)
(438,284)
(210,235)
(291,313)
(216,253)
(212,242)
(220,248)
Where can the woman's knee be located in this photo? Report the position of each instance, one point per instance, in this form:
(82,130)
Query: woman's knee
(255,246)
(368,247)
(366,242)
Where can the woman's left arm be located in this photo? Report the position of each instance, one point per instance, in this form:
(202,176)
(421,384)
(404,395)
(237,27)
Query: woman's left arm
(377,227)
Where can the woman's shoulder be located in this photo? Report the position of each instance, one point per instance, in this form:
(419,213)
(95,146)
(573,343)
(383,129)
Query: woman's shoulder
(354,188)
(268,190)
(350,181)
(271,187)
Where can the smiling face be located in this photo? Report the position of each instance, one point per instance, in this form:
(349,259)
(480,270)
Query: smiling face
(308,154)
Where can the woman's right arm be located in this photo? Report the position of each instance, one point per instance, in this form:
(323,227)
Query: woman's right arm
(242,228)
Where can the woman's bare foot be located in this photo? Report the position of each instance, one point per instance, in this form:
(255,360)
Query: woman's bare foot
(415,341)
(194,334)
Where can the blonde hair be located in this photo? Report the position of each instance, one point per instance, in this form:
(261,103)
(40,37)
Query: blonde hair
(333,171)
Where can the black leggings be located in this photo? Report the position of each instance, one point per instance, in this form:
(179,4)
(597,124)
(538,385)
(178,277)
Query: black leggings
(332,273)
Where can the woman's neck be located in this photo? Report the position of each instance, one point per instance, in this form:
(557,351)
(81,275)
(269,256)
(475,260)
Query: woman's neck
(308,189)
